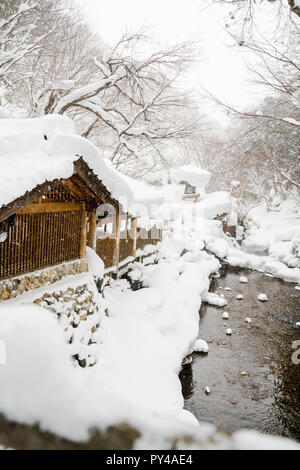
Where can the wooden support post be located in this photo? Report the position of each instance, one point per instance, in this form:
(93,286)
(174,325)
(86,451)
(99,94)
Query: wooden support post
(83,233)
(117,241)
(91,236)
(133,234)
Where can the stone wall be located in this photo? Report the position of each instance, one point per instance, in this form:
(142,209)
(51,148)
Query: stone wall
(10,288)
(79,313)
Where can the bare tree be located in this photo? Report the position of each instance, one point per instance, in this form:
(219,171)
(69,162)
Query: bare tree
(247,7)
(134,99)
(128,102)
(17,38)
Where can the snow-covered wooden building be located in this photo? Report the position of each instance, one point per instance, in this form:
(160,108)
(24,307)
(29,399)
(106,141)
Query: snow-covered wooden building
(58,196)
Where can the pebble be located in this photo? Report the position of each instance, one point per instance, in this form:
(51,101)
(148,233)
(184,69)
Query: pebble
(187,360)
(207,390)
(239,297)
(233,402)
(262,297)
(229,331)
(244,373)
(243,279)
(248,320)
(225,315)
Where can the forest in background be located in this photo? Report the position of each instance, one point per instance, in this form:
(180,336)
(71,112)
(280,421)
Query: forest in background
(130,100)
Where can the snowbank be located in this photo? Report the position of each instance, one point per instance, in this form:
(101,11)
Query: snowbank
(95,263)
(276,233)
(135,381)
(215,204)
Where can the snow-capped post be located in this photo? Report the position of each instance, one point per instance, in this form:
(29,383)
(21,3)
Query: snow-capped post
(83,232)
(91,236)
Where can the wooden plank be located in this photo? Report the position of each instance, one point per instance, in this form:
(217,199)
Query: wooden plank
(74,189)
(50,207)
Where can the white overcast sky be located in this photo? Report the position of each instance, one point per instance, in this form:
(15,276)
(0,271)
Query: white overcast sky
(222,70)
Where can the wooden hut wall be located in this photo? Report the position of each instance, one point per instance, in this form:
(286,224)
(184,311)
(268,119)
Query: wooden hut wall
(42,234)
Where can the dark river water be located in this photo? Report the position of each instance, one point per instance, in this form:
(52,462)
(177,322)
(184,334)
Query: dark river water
(268,398)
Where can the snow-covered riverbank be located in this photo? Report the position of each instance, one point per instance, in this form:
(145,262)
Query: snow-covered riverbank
(142,342)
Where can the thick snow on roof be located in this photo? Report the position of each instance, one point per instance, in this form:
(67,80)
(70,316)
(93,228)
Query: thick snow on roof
(33,151)
(192,174)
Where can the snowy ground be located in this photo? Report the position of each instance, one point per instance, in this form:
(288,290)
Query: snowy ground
(275,232)
(142,342)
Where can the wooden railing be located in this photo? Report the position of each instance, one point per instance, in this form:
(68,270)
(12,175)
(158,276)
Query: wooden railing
(113,252)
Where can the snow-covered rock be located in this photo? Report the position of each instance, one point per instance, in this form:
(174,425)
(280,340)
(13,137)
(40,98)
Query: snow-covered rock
(214,299)
(229,331)
(262,297)
(200,345)
(243,279)
(225,316)
(239,297)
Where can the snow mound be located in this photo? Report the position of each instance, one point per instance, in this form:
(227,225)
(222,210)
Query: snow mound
(95,263)
(194,175)
(215,204)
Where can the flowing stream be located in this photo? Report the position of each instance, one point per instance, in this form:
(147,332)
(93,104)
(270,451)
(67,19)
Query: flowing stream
(253,376)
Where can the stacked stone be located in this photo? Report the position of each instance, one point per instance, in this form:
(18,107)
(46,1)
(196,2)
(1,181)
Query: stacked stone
(79,315)
(10,288)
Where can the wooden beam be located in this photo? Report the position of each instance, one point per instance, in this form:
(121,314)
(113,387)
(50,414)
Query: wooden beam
(91,236)
(43,207)
(28,198)
(74,189)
